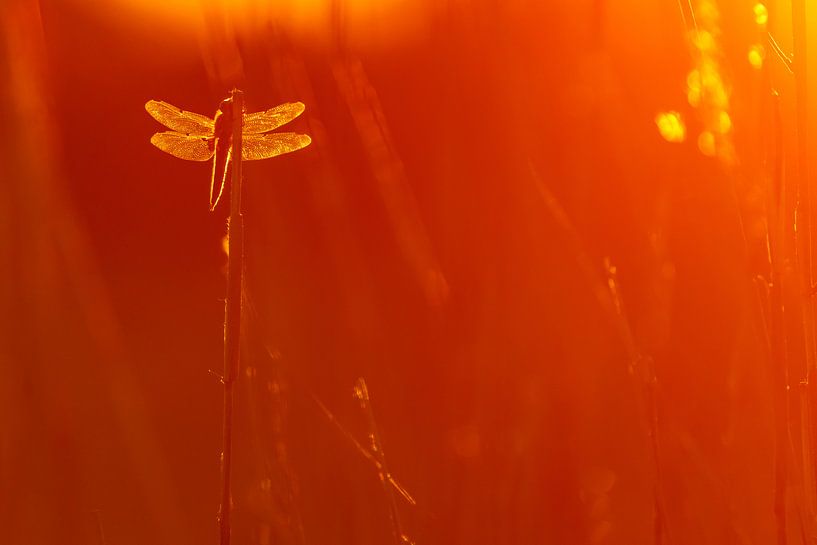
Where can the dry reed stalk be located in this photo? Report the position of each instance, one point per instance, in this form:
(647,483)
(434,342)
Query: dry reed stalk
(232,314)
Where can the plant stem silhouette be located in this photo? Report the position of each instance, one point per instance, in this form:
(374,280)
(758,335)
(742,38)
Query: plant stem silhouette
(232,315)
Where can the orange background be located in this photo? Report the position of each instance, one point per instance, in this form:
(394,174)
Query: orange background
(474,166)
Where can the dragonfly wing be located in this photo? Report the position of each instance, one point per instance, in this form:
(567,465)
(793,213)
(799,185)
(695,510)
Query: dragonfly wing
(264,146)
(191,148)
(271,119)
(180,120)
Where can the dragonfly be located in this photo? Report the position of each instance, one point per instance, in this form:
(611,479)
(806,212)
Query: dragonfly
(196,137)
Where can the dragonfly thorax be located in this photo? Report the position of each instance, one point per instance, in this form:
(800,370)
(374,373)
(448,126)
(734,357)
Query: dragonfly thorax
(224,120)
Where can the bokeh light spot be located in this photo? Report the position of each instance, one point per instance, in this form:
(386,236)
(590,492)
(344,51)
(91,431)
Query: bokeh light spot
(724,122)
(761,14)
(706,143)
(703,40)
(671,126)
(756,55)
(694,88)
(694,97)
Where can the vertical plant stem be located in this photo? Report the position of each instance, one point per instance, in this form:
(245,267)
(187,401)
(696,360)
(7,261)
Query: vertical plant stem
(803,220)
(802,227)
(99,527)
(232,314)
(642,368)
(803,247)
(776,327)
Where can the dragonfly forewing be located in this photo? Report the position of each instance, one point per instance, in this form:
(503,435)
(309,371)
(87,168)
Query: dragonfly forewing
(180,120)
(269,120)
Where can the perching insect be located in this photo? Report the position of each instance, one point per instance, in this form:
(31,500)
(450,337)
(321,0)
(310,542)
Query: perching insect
(196,137)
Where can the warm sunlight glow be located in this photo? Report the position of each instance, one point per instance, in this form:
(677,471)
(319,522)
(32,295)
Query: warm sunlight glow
(671,126)
(707,91)
(549,265)
(365,22)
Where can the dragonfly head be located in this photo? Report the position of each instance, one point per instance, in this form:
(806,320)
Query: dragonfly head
(226,106)
(224,119)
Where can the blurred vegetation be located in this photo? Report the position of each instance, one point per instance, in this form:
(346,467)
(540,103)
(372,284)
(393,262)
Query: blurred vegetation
(556,239)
